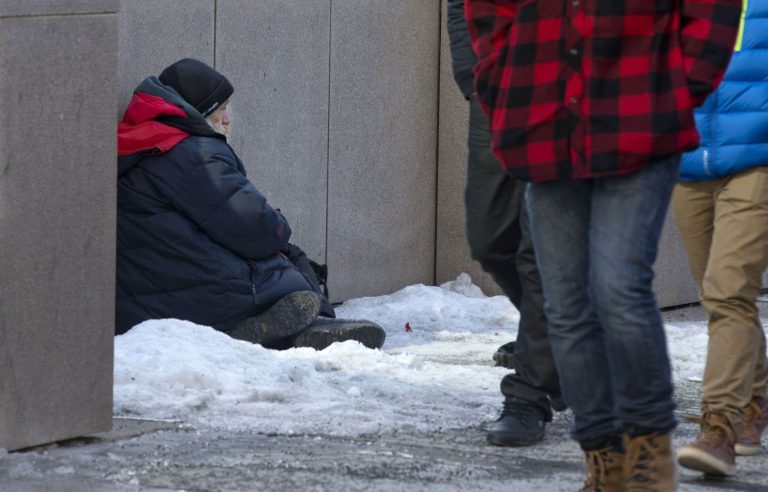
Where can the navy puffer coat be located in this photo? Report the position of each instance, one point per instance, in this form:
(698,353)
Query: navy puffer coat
(195,239)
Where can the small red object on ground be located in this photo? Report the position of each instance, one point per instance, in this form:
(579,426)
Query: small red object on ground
(408,327)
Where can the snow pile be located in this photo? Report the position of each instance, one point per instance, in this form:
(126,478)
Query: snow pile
(434,371)
(438,375)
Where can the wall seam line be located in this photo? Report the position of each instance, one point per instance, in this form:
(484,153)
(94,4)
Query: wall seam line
(74,14)
(215,29)
(328,136)
(437,143)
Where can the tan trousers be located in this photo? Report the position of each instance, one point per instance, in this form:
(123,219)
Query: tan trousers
(724,227)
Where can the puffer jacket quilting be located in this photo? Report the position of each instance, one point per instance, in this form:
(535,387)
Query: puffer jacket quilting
(733,122)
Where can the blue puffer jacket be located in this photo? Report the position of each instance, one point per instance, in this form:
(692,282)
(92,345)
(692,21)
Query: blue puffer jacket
(733,122)
(195,239)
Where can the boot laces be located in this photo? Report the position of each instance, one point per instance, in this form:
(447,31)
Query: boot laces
(521,410)
(598,464)
(754,412)
(640,457)
(714,432)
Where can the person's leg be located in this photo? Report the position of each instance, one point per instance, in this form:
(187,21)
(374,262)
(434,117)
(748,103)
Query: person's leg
(736,351)
(535,377)
(560,217)
(743,208)
(693,204)
(628,213)
(492,208)
(730,286)
(494,202)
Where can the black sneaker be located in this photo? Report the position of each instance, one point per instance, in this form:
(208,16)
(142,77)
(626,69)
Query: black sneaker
(325,331)
(288,316)
(521,424)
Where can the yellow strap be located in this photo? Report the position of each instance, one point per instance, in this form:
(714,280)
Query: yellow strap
(740,37)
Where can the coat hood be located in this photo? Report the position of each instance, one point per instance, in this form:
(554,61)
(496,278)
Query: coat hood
(155,121)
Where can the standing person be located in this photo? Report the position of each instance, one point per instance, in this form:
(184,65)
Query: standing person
(499,238)
(195,239)
(592,101)
(721,207)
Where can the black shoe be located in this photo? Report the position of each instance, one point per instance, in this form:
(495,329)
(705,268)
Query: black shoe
(325,331)
(521,424)
(288,316)
(505,355)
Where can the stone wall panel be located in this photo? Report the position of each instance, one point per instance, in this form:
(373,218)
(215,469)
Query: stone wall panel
(58,81)
(383,139)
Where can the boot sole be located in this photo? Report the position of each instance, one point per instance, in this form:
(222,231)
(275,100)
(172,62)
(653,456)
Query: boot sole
(695,459)
(290,315)
(747,449)
(369,335)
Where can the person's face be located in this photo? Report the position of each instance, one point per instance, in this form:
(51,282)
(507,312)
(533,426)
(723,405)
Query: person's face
(220,119)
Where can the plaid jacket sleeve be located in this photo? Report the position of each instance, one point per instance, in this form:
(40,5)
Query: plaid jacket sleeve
(708,32)
(488,22)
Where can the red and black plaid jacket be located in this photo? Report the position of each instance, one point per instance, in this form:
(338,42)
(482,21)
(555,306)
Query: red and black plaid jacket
(588,88)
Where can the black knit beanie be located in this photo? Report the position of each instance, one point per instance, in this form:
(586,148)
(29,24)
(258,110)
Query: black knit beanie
(199,85)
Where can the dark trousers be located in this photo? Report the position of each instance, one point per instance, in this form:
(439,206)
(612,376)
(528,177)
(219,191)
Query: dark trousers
(499,239)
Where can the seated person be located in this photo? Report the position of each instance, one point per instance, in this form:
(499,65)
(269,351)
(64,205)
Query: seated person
(195,239)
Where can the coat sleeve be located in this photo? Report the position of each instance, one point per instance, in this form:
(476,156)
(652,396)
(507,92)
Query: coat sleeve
(224,204)
(462,57)
(708,30)
(488,23)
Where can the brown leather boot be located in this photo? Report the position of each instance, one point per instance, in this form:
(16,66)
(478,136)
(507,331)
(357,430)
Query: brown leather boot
(604,471)
(755,422)
(713,450)
(648,465)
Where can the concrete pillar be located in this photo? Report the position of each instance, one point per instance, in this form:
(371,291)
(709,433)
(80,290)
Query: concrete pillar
(58,97)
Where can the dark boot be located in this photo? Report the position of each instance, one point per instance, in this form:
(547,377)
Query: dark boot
(504,355)
(288,316)
(325,331)
(521,424)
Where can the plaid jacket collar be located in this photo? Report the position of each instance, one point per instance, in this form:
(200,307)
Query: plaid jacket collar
(588,88)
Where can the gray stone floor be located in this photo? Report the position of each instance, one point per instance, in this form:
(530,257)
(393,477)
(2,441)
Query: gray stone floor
(161,456)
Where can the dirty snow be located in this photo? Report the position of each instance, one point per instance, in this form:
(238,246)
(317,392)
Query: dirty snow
(436,376)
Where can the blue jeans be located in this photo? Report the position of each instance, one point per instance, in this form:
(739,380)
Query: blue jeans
(596,241)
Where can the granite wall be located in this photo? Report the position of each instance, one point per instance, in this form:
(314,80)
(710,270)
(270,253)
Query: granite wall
(58,94)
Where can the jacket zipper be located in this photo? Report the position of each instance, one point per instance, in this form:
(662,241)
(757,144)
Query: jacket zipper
(253,284)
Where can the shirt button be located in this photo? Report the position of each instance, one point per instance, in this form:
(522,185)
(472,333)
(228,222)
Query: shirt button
(574,51)
(574,100)
(575,3)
